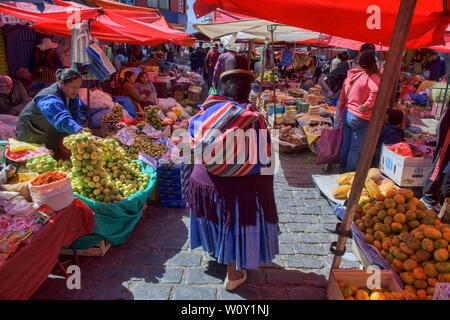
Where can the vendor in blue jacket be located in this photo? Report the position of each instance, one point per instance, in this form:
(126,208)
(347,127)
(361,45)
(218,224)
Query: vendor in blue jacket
(53,113)
(391,133)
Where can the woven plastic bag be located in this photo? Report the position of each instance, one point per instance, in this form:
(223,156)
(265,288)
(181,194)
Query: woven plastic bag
(329,146)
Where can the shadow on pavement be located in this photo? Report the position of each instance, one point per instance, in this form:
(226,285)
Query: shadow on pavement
(158,237)
(273,282)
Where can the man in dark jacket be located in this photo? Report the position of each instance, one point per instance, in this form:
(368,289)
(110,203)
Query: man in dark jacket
(437,67)
(390,134)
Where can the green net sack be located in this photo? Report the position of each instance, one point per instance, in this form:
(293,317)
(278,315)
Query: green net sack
(115,221)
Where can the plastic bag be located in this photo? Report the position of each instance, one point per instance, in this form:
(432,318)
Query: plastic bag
(6,172)
(329,146)
(212,90)
(16,146)
(403,149)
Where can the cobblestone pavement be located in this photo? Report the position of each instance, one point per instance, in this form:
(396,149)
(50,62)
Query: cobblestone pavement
(157,263)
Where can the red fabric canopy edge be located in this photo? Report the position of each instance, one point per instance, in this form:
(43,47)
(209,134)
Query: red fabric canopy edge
(343,18)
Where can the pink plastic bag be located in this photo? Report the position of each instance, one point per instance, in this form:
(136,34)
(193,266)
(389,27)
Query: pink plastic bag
(329,146)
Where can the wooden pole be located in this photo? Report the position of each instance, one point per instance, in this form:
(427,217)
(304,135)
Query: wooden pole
(398,40)
(249,53)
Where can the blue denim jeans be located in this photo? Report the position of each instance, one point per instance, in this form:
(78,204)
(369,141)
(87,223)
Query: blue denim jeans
(354,132)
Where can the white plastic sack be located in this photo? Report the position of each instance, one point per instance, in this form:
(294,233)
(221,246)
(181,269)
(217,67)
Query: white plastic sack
(57,195)
(98,99)
(166,103)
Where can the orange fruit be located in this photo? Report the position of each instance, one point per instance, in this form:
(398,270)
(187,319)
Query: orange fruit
(390,194)
(369,238)
(399,199)
(411,295)
(419,273)
(379,197)
(361,295)
(377,244)
(421,294)
(432,282)
(400,218)
(391,212)
(410,264)
(377,296)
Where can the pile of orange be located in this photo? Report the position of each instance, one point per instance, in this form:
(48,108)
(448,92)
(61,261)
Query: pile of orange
(352,292)
(410,237)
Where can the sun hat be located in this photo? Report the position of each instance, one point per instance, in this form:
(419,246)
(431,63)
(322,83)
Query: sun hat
(47,43)
(232,47)
(236,65)
(5,84)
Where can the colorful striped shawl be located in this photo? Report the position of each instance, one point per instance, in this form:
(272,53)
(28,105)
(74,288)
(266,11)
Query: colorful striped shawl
(217,135)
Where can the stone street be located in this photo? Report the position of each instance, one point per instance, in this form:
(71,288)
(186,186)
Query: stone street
(156,262)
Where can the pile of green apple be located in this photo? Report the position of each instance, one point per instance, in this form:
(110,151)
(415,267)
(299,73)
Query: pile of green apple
(125,174)
(100,170)
(41,163)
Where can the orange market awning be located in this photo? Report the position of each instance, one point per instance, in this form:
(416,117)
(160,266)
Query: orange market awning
(369,21)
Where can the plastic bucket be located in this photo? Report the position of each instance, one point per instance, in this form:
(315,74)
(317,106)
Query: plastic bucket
(57,195)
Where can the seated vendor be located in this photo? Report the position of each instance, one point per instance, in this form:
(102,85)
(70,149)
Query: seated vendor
(145,87)
(53,113)
(13,96)
(128,89)
(391,133)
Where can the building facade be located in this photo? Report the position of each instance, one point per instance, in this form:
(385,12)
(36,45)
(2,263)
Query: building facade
(174,11)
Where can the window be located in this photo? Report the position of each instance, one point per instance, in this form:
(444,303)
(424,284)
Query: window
(159,4)
(152,3)
(164,4)
(181,6)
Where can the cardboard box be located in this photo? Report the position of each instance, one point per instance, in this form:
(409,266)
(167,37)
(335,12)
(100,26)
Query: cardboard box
(404,171)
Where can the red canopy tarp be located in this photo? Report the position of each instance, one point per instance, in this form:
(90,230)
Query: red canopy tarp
(338,42)
(343,18)
(29,12)
(24,272)
(111,25)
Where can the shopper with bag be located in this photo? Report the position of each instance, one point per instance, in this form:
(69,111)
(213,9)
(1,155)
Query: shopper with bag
(356,102)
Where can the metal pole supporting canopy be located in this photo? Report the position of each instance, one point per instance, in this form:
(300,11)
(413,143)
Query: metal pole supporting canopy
(271,28)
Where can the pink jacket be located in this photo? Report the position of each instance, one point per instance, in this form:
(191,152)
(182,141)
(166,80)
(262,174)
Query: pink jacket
(363,92)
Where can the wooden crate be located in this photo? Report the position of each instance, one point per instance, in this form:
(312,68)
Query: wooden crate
(99,250)
(359,279)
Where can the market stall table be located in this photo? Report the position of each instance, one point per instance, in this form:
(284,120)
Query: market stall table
(24,272)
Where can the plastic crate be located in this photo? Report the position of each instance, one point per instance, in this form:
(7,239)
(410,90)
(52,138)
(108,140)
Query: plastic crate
(173,204)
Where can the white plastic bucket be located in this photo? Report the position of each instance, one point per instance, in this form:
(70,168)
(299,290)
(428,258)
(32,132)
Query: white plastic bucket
(57,195)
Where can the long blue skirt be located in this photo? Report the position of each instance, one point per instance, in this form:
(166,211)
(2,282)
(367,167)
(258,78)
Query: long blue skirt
(248,246)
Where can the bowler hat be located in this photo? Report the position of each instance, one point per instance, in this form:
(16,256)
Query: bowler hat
(236,65)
